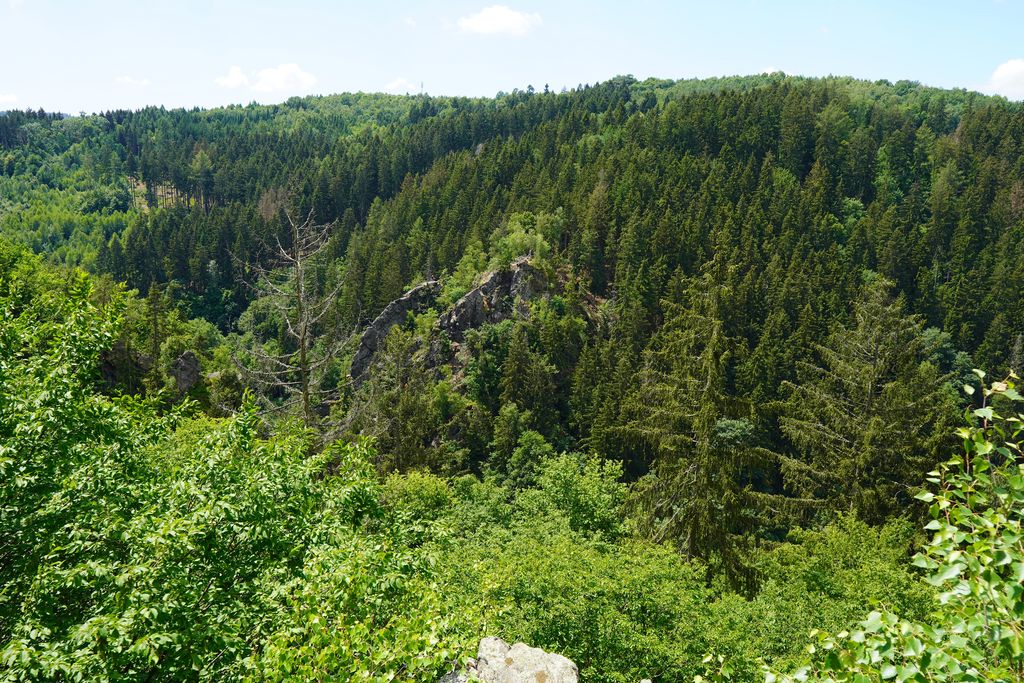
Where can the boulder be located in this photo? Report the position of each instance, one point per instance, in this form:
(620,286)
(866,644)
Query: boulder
(499,662)
(501,295)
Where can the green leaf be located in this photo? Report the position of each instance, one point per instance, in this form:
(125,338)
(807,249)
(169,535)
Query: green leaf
(947,574)
(906,672)
(874,622)
(923,561)
(914,647)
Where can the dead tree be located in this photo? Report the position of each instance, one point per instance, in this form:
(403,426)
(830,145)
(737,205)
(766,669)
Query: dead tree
(285,282)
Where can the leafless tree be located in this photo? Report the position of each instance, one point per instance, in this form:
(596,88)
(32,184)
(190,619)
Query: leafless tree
(286,282)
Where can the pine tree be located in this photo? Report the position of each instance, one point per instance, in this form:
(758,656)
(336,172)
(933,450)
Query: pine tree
(589,253)
(703,494)
(868,413)
(527,379)
(396,406)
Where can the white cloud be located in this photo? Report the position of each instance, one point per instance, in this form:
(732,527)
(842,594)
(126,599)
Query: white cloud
(130,80)
(235,78)
(15,4)
(1008,80)
(499,19)
(401,85)
(409,21)
(282,78)
(8,98)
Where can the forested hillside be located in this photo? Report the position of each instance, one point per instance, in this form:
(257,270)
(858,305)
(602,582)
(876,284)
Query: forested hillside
(661,375)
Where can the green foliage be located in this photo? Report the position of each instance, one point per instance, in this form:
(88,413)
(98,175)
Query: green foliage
(815,580)
(461,280)
(397,406)
(527,380)
(526,461)
(587,491)
(137,545)
(510,425)
(700,495)
(523,235)
(421,495)
(360,612)
(183,547)
(633,609)
(974,560)
(705,336)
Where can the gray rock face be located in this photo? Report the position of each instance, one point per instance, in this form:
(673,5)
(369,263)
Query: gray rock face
(501,294)
(416,300)
(186,372)
(499,662)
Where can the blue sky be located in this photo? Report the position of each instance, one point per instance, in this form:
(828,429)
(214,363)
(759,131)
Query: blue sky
(92,55)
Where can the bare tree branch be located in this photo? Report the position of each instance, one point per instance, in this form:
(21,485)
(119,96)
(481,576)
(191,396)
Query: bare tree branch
(286,282)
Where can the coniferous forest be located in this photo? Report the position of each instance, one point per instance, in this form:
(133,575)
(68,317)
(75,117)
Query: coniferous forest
(705,380)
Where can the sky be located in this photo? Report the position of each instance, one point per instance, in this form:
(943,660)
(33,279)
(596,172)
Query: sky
(95,55)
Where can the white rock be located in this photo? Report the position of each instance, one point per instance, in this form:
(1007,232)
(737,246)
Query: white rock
(499,662)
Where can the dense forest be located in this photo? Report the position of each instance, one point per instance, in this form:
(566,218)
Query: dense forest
(662,375)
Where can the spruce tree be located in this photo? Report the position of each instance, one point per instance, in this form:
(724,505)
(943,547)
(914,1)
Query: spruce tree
(527,379)
(867,413)
(704,494)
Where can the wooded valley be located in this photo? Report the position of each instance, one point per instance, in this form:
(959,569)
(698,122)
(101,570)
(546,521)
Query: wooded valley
(677,378)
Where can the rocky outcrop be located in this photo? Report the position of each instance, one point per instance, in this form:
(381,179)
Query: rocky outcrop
(502,294)
(186,371)
(498,662)
(416,300)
